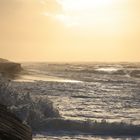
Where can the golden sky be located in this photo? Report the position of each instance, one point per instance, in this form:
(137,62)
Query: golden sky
(70,30)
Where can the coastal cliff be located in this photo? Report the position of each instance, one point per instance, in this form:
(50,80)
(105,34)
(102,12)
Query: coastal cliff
(8,67)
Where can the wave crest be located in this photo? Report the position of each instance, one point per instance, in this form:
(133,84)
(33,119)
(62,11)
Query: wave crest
(95,128)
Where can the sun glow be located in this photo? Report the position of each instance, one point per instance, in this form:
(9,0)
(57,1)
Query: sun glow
(79,5)
(70,30)
(87,13)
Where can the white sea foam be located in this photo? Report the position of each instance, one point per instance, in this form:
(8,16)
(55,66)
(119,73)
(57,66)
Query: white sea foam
(33,78)
(104,93)
(107,69)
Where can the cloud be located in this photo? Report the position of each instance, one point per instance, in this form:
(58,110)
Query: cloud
(55,11)
(67,20)
(21,21)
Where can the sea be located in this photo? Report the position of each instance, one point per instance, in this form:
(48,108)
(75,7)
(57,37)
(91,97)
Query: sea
(88,91)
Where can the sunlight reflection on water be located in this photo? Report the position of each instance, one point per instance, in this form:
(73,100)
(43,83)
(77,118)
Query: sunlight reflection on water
(107,69)
(81,137)
(29,78)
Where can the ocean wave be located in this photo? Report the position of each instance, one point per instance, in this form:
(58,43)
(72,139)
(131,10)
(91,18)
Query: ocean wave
(71,70)
(95,128)
(135,73)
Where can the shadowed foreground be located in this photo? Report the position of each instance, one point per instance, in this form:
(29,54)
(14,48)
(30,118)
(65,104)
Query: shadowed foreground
(11,128)
(94,128)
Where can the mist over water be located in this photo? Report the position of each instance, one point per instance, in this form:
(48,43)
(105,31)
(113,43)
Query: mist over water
(89,91)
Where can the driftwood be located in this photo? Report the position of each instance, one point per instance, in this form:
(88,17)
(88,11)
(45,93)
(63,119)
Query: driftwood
(11,128)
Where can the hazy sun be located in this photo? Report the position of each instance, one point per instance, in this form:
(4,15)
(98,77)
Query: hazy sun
(78,5)
(87,12)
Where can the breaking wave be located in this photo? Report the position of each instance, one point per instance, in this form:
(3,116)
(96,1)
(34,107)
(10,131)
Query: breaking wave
(131,70)
(93,128)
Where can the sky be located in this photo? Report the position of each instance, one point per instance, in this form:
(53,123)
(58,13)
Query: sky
(70,30)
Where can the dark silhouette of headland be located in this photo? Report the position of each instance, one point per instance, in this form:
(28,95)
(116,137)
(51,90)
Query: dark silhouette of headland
(8,67)
(11,127)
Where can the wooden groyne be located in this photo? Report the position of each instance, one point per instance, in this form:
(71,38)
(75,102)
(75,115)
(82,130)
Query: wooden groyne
(11,128)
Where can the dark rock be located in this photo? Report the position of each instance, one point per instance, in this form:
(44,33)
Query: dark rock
(11,128)
(9,69)
(3,60)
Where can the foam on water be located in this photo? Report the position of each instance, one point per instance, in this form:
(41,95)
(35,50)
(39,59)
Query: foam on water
(111,95)
(31,78)
(108,69)
(107,91)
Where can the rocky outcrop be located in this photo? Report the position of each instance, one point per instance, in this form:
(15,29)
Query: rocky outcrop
(7,67)
(11,128)
(3,60)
